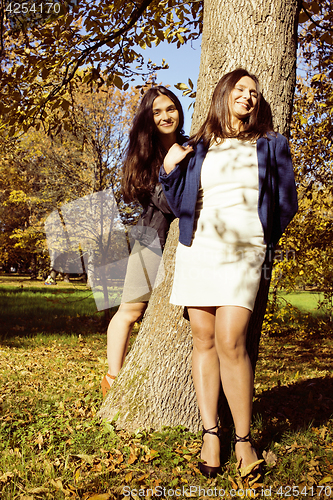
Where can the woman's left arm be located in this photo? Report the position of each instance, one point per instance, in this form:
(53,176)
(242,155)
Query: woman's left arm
(286,186)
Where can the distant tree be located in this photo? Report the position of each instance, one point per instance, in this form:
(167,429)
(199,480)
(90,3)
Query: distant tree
(43,171)
(307,243)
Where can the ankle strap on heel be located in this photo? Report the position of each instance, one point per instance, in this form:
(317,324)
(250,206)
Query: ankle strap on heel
(245,439)
(211,431)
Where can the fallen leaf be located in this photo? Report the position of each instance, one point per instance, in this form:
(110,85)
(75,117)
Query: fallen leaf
(39,440)
(6,477)
(38,490)
(57,484)
(133,456)
(233,484)
(245,471)
(128,477)
(325,480)
(119,459)
(100,496)
(143,477)
(269,457)
(77,476)
(87,458)
(150,455)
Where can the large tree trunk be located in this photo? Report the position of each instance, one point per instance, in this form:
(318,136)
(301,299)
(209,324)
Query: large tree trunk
(258,35)
(155,386)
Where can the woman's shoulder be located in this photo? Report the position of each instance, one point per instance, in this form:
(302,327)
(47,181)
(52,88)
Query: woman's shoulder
(274,139)
(273,136)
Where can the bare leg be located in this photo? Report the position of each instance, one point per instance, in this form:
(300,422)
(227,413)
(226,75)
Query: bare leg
(119,330)
(236,372)
(206,377)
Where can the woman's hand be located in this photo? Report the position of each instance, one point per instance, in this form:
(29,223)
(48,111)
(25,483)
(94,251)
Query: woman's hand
(175,155)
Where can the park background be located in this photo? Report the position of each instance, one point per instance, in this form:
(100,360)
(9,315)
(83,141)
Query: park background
(53,338)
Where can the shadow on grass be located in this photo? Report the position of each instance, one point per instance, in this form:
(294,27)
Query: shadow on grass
(293,408)
(30,311)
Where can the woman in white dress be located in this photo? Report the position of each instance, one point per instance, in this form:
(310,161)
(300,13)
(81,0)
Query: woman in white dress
(234,192)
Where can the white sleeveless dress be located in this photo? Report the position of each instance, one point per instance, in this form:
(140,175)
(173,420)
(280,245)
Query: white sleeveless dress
(223,264)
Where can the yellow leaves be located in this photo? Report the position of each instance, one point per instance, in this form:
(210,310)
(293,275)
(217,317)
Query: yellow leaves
(128,477)
(89,459)
(100,496)
(39,440)
(120,457)
(77,476)
(134,452)
(150,455)
(142,44)
(245,471)
(325,480)
(16,196)
(180,38)
(181,86)
(318,77)
(39,490)
(187,90)
(6,477)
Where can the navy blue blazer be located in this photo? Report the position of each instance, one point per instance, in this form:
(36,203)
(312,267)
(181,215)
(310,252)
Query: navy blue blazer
(277,202)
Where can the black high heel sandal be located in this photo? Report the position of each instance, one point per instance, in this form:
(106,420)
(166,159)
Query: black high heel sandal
(255,469)
(207,470)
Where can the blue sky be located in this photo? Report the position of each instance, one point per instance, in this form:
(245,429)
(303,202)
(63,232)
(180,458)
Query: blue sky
(183,64)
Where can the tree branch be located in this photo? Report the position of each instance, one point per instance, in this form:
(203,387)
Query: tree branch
(315,22)
(68,77)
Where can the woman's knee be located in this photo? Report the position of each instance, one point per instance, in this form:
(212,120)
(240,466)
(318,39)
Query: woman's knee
(231,347)
(131,312)
(202,322)
(203,337)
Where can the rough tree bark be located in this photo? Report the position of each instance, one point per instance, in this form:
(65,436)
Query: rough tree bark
(155,388)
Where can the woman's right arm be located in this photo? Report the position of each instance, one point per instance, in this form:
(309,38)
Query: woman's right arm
(173,175)
(175,155)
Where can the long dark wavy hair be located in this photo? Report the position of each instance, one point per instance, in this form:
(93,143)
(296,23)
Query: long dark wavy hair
(217,124)
(145,152)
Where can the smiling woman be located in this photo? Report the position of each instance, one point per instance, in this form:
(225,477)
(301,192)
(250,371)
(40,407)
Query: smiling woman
(157,125)
(234,197)
(242,101)
(166,118)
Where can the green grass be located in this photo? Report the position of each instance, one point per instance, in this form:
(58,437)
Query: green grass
(53,446)
(304,301)
(28,308)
